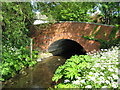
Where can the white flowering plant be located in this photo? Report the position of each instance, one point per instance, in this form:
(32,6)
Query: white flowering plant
(97,70)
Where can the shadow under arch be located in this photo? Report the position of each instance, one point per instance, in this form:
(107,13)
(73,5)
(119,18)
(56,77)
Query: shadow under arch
(66,48)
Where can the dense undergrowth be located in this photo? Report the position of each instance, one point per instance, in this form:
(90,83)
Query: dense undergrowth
(14,60)
(16,19)
(98,70)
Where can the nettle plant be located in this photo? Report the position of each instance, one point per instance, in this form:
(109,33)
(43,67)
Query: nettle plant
(98,70)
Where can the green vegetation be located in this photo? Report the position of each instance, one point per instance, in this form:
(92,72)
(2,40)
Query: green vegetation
(14,60)
(71,68)
(16,19)
(78,71)
(104,43)
(67,11)
(110,12)
(81,11)
(98,70)
(114,31)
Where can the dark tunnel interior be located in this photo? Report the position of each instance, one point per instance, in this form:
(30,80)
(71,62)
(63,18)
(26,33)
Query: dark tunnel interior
(66,48)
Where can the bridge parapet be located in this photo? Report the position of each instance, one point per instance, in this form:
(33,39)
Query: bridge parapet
(74,31)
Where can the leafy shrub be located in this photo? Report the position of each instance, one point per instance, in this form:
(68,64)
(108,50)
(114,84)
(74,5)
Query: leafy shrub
(13,60)
(16,18)
(71,68)
(99,70)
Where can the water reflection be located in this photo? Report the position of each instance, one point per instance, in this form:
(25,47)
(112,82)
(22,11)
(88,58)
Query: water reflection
(38,77)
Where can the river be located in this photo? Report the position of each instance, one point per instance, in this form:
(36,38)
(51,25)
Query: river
(39,76)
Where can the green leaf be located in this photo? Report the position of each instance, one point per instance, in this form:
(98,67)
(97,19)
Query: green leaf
(57,77)
(2,79)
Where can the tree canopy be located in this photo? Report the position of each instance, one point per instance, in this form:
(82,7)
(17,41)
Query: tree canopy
(67,11)
(17,17)
(110,12)
(81,11)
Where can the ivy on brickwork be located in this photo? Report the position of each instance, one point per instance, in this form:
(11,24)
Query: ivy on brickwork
(114,31)
(105,43)
(94,29)
(97,32)
(93,32)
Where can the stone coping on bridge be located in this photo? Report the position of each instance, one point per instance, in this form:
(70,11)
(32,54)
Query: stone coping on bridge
(85,22)
(54,22)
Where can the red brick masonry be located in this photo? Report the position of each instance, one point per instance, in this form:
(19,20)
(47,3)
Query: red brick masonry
(44,37)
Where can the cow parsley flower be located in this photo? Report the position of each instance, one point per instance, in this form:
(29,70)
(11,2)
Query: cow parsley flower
(114,84)
(78,78)
(110,78)
(66,81)
(115,76)
(111,70)
(88,86)
(102,68)
(101,81)
(90,73)
(92,78)
(93,69)
(107,82)
(96,74)
(104,86)
(76,82)
(82,81)
(102,73)
(116,70)
(101,78)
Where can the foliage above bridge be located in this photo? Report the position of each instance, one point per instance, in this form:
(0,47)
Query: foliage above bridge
(81,11)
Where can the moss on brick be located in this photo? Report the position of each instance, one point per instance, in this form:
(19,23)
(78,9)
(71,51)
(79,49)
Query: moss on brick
(94,29)
(97,32)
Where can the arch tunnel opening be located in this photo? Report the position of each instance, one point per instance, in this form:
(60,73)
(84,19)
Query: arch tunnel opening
(66,48)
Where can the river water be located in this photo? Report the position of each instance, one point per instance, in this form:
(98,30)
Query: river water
(38,77)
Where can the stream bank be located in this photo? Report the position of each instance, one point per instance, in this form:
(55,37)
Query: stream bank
(38,77)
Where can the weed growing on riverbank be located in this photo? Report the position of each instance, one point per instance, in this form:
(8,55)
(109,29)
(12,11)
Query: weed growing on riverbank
(98,70)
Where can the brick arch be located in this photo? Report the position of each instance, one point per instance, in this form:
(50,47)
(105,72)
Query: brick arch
(71,30)
(66,48)
(84,43)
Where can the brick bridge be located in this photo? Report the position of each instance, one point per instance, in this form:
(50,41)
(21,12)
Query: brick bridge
(44,37)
